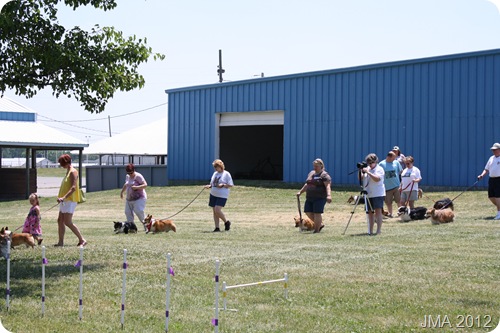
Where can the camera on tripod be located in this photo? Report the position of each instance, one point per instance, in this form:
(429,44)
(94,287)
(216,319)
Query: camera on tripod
(361,165)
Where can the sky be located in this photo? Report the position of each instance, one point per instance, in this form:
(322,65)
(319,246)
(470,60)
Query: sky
(269,37)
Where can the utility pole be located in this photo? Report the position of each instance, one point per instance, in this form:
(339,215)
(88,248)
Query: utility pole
(220,70)
(109,124)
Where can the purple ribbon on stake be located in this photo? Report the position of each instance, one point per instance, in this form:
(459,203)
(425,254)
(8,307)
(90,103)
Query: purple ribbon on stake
(171,271)
(45,261)
(215,322)
(78,263)
(125,265)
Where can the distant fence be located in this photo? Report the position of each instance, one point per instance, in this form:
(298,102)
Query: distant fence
(104,177)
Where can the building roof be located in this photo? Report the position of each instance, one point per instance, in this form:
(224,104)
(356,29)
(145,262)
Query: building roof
(19,134)
(19,129)
(149,139)
(339,70)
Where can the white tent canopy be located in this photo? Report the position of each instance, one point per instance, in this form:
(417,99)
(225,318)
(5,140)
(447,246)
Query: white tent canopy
(150,139)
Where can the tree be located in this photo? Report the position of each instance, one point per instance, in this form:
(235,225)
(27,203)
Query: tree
(37,52)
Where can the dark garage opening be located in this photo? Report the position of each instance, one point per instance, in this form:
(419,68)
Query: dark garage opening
(253,152)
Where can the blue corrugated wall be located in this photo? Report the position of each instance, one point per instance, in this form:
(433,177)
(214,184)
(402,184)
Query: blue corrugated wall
(441,110)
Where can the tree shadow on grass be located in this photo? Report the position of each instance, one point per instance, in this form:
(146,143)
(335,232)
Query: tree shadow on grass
(26,274)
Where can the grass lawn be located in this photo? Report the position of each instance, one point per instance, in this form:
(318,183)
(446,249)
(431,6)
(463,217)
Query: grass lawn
(351,283)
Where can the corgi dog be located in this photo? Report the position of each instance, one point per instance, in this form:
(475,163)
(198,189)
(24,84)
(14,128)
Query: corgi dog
(439,216)
(304,224)
(154,226)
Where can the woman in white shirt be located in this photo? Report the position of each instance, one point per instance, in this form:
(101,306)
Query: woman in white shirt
(410,177)
(219,186)
(373,183)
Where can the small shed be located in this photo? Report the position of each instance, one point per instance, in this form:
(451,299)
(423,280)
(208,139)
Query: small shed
(19,129)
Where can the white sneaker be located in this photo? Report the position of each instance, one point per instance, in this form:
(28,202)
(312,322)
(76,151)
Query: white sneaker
(497,217)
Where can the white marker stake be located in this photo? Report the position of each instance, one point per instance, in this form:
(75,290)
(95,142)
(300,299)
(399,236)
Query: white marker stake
(167,302)
(80,300)
(124,285)
(215,321)
(44,262)
(7,292)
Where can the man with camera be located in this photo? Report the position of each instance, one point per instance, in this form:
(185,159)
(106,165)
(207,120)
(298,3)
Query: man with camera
(372,176)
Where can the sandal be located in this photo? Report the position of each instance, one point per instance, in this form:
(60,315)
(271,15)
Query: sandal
(58,245)
(82,243)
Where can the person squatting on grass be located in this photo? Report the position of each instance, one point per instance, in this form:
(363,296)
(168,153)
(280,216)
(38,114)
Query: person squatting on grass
(493,168)
(373,183)
(136,196)
(410,177)
(392,170)
(32,223)
(219,186)
(318,193)
(68,198)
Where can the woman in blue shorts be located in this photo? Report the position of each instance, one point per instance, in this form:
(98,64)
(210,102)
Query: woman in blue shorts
(318,193)
(373,183)
(219,187)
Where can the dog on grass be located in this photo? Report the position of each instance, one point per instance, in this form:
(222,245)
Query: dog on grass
(439,216)
(154,225)
(15,240)
(125,227)
(407,214)
(444,203)
(305,224)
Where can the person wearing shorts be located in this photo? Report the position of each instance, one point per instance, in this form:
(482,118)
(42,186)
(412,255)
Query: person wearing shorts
(318,193)
(392,172)
(68,198)
(373,183)
(410,177)
(219,186)
(493,168)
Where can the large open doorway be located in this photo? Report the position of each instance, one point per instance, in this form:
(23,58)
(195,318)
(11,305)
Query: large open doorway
(251,144)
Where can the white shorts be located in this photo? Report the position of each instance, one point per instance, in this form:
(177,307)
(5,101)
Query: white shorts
(67,207)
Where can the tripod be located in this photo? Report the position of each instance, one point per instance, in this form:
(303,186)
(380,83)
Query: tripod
(367,202)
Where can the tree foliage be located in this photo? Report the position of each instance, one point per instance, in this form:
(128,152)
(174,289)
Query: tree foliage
(37,52)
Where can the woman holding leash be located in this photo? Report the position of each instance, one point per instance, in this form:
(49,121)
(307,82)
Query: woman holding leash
(410,177)
(68,198)
(318,193)
(136,197)
(219,186)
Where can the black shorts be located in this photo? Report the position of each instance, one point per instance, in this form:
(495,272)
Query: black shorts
(494,187)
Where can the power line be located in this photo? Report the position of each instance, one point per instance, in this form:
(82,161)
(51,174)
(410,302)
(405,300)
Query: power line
(85,128)
(123,115)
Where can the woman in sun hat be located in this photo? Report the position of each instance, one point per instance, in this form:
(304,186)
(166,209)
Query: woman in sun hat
(399,156)
(493,168)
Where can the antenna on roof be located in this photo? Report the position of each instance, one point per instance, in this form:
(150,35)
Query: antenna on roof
(220,70)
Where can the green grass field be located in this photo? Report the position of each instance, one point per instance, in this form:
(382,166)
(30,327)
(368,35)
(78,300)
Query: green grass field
(351,283)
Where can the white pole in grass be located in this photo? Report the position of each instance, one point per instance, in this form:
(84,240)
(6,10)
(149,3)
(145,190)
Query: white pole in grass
(80,300)
(286,285)
(7,292)
(215,321)
(167,301)
(124,285)
(44,262)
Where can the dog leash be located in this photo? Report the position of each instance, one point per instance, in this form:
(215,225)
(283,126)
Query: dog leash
(468,188)
(168,217)
(298,206)
(409,195)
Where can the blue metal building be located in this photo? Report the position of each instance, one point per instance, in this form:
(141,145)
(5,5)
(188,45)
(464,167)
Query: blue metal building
(441,110)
